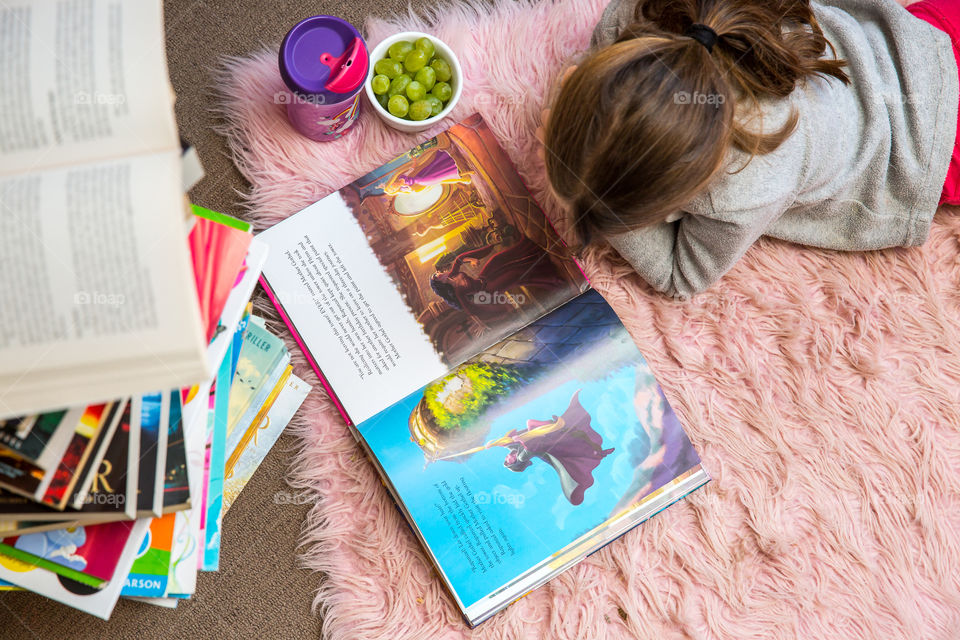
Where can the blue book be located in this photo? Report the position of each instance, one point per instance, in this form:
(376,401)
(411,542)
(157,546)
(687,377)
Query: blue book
(218,442)
(238,336)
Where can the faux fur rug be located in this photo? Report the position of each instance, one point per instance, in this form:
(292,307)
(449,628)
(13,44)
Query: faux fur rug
(821,389)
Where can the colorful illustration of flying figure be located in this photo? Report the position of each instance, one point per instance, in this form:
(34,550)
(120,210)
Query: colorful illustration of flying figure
(567,443)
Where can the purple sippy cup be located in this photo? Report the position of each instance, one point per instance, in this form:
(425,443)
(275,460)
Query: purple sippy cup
(324,62)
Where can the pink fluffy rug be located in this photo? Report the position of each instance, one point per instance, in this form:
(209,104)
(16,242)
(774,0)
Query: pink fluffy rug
(821,389)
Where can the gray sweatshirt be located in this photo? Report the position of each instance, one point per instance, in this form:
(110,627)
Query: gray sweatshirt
(863,170)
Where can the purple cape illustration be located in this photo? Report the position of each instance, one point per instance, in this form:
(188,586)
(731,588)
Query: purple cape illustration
(679,455)
(567,443)
(441,169)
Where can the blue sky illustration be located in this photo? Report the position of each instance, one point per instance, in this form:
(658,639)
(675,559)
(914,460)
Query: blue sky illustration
(529,507)
(150,414)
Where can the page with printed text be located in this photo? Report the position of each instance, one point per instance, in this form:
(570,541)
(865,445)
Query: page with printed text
(80,81)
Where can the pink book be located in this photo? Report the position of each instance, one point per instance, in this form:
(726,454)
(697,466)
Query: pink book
(94,550)
(218,252)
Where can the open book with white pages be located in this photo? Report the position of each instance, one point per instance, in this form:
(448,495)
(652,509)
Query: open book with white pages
(510,414)
(97,299)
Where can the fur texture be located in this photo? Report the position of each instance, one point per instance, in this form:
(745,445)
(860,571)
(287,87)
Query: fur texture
(821,389)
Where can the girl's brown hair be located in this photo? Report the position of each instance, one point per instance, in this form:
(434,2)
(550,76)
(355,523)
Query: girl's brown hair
(641,126)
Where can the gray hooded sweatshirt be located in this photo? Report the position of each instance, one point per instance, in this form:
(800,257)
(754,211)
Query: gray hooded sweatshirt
(863,169)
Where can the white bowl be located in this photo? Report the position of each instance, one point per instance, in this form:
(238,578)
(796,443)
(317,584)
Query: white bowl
(410,126)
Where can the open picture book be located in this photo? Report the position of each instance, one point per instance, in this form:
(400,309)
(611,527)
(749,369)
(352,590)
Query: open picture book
(97,300)
(506,407)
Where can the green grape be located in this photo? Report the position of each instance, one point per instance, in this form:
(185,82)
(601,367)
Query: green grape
(442,68)
(383,100)
(416,91)
(398,106)
(420,110)
(426,45)
(436,105)
(415,61)
(399,50)
(389,68)
(443,91)
(380,84)
(399,85)
(427,77)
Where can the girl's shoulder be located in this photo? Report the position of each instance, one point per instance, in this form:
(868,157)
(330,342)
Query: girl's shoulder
(748,182)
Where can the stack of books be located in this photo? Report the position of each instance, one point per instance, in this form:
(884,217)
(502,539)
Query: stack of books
(137,393)
(126,498)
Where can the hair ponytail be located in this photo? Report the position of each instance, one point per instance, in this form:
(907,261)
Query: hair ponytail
(764,48)
(643,125)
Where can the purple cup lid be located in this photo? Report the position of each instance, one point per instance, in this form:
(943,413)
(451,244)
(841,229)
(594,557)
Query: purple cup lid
(324,55)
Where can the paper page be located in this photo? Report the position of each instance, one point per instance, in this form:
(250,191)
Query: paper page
(82,80)
(254,447)
(166,603)
(361,335)
(97,290)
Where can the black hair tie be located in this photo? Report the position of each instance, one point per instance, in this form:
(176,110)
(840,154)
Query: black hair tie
(702,34)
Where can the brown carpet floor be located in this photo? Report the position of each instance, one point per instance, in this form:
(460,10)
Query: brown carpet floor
(259,592)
